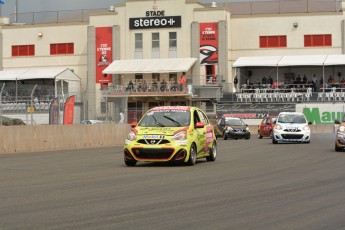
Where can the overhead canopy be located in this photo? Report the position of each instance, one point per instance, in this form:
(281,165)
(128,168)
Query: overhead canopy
(297,60)
(165,65)
(302,60)
(335,60)
(44,73)
(257,61)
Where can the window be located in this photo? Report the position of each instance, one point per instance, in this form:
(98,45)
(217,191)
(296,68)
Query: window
(23,50)
(317,40)
(155,40)
(172,40)
(138,46)
(273,41)
(62,48)
(172,45)
(155,45)
(139,41)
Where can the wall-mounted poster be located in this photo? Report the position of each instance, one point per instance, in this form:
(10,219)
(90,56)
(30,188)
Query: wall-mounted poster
(103,53)
(208,43)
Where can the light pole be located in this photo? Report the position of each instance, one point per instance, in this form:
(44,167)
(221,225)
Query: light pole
(16,12)
(3,86)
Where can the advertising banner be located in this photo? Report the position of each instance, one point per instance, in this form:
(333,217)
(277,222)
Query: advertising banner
(253,111)
(208,43)
(103,53)
(68,113)
(323,113)
(54,112)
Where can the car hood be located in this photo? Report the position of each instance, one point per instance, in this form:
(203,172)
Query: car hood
(292,125)
(238,126)
(158,130)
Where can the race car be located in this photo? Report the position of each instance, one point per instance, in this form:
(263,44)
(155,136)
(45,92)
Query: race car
(171,134)
(232,127)
(266,126)
(291,127)
(340,135)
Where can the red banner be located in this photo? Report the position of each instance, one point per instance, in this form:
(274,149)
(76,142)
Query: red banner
(68,113)
(208,43)
(103,53)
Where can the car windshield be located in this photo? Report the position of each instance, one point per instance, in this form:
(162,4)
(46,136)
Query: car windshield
(291,118)
(234,122)
(166,119)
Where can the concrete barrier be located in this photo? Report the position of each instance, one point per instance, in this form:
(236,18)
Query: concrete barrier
(33,138)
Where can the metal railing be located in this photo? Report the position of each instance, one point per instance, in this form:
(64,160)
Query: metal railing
(53,16)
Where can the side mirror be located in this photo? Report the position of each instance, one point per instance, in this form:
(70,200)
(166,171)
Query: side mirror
(275,121)
(199,125)
(134,124)
(336,121)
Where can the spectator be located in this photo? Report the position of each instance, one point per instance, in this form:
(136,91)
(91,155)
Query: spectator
(174,86)
(314,82)
(130,86)
(270,80)
(182,81)
(144,86)
(154,85)
(304,81)
(235,82)
(163,85)
(330,80)
(263,80)
(122,117)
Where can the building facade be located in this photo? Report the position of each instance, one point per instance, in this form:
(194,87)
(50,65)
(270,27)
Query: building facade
(145,42)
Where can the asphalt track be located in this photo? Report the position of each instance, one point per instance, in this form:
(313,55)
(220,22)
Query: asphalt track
(253,184)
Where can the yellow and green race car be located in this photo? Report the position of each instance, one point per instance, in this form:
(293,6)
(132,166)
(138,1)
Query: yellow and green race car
(171,134)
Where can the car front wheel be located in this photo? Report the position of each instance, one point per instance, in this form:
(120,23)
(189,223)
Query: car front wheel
(130,162)
(192,156)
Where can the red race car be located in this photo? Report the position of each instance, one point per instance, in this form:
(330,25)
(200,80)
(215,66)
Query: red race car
(266,126)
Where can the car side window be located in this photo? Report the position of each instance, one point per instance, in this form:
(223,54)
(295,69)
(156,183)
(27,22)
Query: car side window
(268,121)
(196,117)
(203,117)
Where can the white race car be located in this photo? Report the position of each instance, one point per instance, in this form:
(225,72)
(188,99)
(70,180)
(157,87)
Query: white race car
(291,127)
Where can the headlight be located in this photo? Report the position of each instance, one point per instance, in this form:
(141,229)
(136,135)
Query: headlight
(341,128)
(131,136)
(306,128)
(247,128)
(278,127)
(229,128)
(180,136)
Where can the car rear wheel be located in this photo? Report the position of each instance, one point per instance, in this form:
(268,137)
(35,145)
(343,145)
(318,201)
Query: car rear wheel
(337,149)
(130,162)
(192,156)
(213,152)
(259,135)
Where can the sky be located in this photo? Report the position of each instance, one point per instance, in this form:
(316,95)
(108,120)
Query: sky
(27,6)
